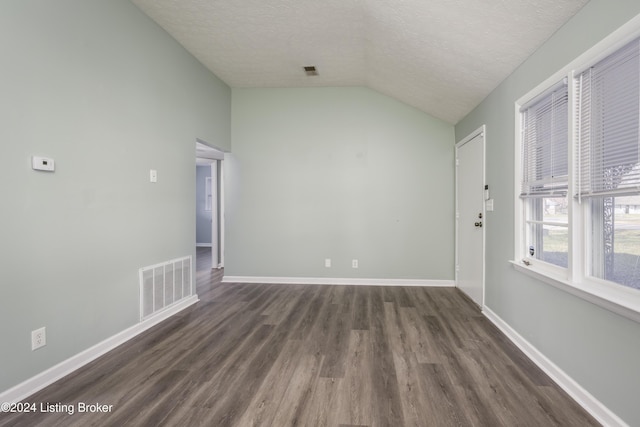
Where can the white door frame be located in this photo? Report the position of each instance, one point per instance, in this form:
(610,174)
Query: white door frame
(481,131)
(215,250)
(221,211)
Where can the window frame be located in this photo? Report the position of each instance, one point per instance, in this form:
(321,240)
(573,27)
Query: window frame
(532,196)
(574,279)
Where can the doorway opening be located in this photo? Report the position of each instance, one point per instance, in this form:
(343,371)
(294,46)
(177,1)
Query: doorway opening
(210,201)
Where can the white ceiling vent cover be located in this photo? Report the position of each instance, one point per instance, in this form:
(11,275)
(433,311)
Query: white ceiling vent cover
(164,284)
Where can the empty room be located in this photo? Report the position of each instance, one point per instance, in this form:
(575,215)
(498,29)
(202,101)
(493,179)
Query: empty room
(334,213)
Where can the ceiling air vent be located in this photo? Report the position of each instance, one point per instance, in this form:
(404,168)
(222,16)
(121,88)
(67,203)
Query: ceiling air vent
(310,70)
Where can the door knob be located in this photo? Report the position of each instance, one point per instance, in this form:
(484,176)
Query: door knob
(478,224)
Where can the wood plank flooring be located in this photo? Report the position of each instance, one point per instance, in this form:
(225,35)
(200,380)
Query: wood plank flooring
(280,355)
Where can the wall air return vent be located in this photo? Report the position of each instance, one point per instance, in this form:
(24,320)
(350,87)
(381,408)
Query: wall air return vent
(164,284)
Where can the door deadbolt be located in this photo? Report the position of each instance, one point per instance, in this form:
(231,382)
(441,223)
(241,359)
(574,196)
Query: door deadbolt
(480,215)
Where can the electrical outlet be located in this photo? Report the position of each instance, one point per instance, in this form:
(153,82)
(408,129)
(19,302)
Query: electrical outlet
(38,338)
(327,262)
(354,263)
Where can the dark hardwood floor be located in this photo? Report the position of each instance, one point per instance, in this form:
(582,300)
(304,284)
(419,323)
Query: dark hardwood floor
(278,355)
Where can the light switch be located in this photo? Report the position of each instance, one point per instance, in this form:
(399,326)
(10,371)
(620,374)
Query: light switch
(153,175)
(43,164)
(489,205)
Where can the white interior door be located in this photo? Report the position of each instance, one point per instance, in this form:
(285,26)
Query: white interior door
(470,216)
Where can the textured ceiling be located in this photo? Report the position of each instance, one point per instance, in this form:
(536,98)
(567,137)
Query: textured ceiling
(441,56)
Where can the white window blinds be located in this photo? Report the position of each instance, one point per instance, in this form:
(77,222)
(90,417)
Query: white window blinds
(545,144)
(608,106)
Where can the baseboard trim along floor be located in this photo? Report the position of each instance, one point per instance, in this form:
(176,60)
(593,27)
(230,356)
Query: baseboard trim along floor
(337,281)
(585,399)
(51,375)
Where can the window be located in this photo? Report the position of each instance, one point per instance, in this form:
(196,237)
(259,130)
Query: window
(545,177)
(608,169)
(578,210)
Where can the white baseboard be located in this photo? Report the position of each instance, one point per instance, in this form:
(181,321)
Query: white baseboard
(203,245)
(53,374)
(337,281)
(585,399)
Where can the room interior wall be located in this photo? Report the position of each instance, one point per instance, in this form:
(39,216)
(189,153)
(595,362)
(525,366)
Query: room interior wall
(595,347)
(338,173)
(100,88)
(203,216)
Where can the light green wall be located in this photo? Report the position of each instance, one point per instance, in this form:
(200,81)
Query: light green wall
(100,88)
(594,346)
(338,173)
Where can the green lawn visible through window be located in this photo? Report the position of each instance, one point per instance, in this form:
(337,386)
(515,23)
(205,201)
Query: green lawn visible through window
(626,247)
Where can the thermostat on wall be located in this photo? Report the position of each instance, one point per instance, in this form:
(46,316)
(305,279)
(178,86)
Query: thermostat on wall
(43,164)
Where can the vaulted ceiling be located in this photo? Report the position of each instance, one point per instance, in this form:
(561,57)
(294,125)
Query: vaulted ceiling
(441,56)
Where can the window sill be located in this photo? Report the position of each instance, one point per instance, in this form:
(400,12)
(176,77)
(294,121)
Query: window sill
(625,302)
